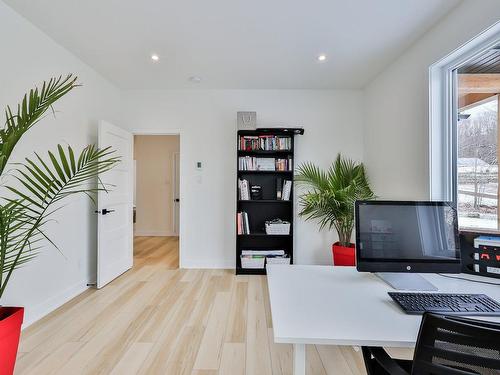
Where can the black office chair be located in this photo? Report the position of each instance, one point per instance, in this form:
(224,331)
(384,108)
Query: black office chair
(446,345)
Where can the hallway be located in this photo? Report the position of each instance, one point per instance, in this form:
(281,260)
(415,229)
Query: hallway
(153,250)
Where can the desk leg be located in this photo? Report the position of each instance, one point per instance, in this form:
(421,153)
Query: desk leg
(299,359)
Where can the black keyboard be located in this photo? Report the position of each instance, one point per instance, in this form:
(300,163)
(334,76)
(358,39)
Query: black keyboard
(446,304)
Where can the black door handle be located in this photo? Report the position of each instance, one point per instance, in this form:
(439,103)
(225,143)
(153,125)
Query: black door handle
(104,211)
(177,200)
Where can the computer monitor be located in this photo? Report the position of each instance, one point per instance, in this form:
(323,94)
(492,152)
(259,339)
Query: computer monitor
(395,237)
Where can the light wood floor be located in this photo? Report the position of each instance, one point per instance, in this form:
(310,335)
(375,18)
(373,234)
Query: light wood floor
(161,251)
(157,319)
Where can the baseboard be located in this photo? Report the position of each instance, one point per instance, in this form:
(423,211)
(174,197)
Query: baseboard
(153,233)
(214,264)
(39,311)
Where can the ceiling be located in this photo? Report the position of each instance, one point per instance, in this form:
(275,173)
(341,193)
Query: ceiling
(479,79)
(487,62)
(235,43)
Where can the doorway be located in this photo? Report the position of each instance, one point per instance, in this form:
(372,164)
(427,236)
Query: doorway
(156,200)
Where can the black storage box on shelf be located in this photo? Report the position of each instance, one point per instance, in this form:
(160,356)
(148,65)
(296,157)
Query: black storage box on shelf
(480,254)
(256,192)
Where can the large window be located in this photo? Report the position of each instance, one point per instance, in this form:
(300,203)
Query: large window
(464,131)
(477,165)
(477,136)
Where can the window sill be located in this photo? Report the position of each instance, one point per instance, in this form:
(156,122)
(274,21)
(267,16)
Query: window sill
(479,230)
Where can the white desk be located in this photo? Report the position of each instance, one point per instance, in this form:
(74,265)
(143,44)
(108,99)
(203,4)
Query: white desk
(339,306)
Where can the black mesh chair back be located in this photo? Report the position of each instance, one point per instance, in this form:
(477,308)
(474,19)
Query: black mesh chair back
(457,346)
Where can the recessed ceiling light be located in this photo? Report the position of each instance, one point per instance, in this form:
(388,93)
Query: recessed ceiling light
(195,79)
(155,57)
(322,57)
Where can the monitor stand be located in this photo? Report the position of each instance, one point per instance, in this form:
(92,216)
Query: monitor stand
(406,281)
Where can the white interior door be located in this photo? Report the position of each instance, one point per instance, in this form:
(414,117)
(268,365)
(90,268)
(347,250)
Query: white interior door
(176,193)
(114,234)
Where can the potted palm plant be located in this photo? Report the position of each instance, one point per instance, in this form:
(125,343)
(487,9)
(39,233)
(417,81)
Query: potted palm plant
(33,192)
(330,197)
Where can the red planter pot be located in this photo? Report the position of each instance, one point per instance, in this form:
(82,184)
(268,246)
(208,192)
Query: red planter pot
(11,319)
(344,256)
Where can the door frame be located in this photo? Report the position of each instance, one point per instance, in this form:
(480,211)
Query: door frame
(443,112)
(176,165)
(177,132)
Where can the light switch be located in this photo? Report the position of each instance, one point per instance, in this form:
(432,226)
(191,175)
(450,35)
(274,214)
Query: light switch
(198,165)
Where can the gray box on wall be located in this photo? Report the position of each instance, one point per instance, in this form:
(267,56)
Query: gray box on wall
(247,120)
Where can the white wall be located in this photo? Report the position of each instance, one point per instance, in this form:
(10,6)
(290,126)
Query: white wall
(206,120)
(29,57)
(397,118)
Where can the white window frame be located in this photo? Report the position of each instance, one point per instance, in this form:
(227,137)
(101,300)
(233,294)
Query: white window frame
(443,113)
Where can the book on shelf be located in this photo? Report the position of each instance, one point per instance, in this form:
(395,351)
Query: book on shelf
(265,164)
(242,223)
(284,164)
(250,163)
(287,189)
(239,223)
(283,189)
(264,143)
(247,224)
(263,252)
(243,190)
(279,188)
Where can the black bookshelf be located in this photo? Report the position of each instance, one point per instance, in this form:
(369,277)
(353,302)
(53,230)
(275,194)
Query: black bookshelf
(269,207)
